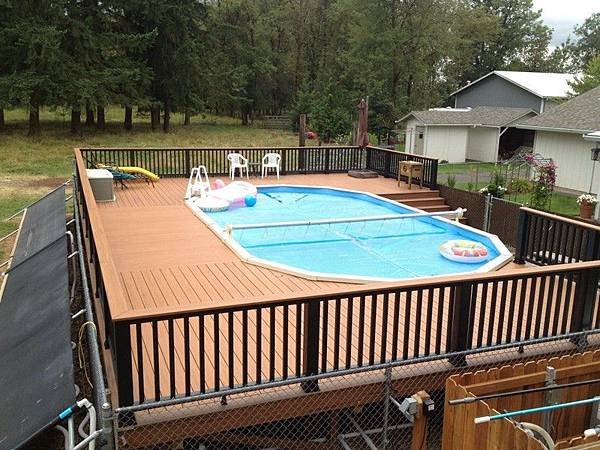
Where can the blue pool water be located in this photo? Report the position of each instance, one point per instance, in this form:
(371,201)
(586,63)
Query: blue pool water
(394,249)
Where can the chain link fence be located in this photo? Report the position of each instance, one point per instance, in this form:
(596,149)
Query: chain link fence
(364,408)
(491,214)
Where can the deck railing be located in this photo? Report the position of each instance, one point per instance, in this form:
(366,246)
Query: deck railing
(172,352)
(169,352)
(548,239)
(386,162)
(178,162)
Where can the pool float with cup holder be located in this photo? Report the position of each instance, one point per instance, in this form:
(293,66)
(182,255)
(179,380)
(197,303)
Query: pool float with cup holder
(464,251)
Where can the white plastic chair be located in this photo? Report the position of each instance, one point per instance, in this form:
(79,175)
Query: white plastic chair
(270,161)
(237,161)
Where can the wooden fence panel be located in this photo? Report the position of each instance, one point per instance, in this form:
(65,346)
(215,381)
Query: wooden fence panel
(503,434)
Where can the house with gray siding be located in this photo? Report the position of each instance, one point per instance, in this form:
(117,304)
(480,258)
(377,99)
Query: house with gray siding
(537,91)
(459,134)
(567,134)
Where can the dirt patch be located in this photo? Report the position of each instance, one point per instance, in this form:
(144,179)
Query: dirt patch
(31,183)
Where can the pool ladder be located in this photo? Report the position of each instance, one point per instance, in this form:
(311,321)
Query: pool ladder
(198,181)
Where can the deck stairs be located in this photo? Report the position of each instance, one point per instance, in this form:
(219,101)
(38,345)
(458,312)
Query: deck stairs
(427,200)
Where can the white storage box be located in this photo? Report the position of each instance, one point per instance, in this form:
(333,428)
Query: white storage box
(101,181)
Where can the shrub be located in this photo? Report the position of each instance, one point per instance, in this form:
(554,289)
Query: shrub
(451,181)
(520,186)
(494,190)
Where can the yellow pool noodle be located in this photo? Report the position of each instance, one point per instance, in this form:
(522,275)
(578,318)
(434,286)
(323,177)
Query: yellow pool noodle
(141,171)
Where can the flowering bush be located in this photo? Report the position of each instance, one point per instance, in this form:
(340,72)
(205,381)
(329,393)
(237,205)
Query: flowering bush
(493,190)
(587,198)
(543,184)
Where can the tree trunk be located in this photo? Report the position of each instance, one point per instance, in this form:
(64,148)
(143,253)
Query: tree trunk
(167,118)
(76,121)
(128,118)
(89,116)
(34,121)
(187,117)
(100,120)
(155,117)
(1,118)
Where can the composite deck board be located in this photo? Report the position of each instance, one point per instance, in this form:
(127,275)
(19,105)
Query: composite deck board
(166,257)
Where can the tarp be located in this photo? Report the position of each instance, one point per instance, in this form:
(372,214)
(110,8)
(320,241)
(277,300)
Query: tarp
(36,361)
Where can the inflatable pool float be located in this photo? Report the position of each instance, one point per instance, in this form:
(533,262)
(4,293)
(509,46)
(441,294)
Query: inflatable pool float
(464,251)
(235,192)
(211,204)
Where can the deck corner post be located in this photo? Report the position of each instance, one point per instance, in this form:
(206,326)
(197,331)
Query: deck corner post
(460,335)
(522,237)
(434,174)
(123,362)
(310,355)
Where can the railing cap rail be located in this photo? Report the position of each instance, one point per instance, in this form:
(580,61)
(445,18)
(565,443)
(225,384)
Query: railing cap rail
(112,285)
(374,147)
(356,291)
(216,148)
(578,223)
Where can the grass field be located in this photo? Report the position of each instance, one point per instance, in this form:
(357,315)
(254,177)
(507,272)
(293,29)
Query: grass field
(29,167)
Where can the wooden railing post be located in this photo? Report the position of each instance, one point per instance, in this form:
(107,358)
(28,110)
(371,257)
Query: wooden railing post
(368,157)
(310,355)
(460,327)
(122,355)
(301,159)
(522,237)
(419,429)
(132,161)
(188,166)
(586,290)
(387,164)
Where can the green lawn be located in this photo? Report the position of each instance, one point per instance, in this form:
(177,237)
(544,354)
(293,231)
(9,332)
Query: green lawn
(29,167)
(465,168)
(561,203)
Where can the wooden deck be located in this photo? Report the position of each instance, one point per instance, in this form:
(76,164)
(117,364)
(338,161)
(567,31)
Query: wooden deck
(166,258)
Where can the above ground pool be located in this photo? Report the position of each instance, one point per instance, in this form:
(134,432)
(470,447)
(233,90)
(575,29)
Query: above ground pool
(381,245)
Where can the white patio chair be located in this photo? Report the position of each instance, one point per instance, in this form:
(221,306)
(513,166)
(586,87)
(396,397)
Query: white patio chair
(237,161)
(270,161)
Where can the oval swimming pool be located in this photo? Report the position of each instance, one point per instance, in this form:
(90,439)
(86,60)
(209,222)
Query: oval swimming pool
(388,248)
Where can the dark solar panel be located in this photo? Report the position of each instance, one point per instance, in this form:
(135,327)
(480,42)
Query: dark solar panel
(36,363)
(44,223)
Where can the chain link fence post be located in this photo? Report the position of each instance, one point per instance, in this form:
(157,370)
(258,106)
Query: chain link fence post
(386,406)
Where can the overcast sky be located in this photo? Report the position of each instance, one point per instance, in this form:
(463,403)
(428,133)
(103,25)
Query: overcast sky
(563,15)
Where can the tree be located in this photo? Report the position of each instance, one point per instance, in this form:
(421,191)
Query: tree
(587,43)
(36,65)
(590,78)
(521,41)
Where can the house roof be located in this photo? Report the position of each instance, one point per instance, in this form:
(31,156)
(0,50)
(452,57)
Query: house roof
(542,84)
(580,114)
(480,115)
